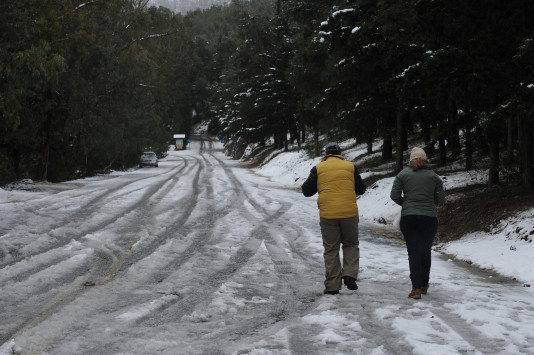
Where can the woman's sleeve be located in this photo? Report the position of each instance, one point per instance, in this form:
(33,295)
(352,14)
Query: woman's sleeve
(439,193)
(396,191)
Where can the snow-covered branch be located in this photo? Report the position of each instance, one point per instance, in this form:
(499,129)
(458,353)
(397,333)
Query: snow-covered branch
(85,4)
(159,35)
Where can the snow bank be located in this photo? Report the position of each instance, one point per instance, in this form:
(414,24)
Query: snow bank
(507,248)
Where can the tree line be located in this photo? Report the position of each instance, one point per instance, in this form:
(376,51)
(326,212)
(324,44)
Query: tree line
(459,75)
(87,85)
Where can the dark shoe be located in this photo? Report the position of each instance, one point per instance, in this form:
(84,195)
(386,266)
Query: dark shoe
(424,290)
(326,292)
(350,282)
(415,294)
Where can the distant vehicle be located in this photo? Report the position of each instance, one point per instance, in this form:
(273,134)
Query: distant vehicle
(179,141)
(148,158)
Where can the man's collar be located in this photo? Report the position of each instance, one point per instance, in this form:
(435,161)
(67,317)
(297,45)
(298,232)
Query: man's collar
(333,156)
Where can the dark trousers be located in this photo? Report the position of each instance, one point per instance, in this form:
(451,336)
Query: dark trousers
(419,232)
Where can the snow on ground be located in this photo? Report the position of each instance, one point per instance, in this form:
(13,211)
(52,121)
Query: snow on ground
(507,249)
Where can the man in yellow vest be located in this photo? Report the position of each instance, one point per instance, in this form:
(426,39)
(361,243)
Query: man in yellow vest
(338,182)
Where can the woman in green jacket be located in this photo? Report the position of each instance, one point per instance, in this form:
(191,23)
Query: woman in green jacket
(419,191)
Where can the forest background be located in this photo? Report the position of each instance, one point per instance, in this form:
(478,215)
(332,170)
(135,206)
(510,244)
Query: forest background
(88,85)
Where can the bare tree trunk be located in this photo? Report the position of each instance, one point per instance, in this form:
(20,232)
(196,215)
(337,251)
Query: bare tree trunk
(526,149)
(442,150)
(441,145)
(399,136)
(369,143)
(468,149)
(404,138)
(529,158)
(123,160)
(86,154)
(45,158)
(387,147)
(45,154)
(16,163)
(493,175)
(509,139)
(316,140)
(454,132)
(425,128)
(301,124)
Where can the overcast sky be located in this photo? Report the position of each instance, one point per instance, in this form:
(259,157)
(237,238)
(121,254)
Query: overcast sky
(184,6)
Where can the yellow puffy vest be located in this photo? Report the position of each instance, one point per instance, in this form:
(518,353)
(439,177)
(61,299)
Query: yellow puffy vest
(335,184)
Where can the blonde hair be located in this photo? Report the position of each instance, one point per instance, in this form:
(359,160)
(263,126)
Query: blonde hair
(417,163)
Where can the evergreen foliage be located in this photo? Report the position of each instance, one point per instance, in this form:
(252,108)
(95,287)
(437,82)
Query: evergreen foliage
(86,86)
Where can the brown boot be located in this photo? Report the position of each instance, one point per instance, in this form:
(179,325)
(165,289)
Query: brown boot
(415,294)
(424,290)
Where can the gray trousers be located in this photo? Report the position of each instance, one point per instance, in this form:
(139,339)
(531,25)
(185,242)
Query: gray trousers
(340,232)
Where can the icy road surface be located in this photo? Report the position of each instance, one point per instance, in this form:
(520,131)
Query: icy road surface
(201,256)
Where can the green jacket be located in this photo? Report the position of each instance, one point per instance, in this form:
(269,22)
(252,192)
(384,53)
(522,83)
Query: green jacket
(418,192)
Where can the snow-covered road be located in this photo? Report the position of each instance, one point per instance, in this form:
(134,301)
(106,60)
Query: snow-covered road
(201,256)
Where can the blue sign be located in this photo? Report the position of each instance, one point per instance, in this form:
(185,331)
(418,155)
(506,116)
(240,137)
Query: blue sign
(223,141)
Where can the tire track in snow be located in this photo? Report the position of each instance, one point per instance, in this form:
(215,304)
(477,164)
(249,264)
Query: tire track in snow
(120,266)
(131,234)
(33,208)
(188,303)
(198,244)
(142,205)
(289,304)
(187,207)
(92,207)
(71,284)
(237,261)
